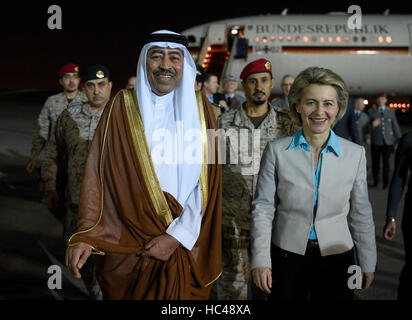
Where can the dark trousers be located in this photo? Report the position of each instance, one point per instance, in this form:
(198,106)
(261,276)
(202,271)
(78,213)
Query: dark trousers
(405,279)
(378,152)
(310,277)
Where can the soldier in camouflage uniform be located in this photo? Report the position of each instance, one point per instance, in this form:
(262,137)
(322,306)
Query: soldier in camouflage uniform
(247,131)
(69,80)
(66,155)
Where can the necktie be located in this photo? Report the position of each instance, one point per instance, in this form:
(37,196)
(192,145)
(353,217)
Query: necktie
(229,100)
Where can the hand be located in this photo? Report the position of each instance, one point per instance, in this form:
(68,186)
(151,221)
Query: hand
(30,165)
(390,230)
(262,278)
(223,104)
(367,278)
(376,122)
(161,247)
(76,257)
(52,199)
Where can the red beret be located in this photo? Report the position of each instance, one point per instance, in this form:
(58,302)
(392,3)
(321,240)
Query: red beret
(68,68)
(382,94)
(261,65)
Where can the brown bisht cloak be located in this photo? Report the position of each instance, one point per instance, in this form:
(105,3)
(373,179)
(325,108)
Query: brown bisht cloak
(120,210)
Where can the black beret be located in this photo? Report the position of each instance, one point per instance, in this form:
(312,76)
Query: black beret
(96,72)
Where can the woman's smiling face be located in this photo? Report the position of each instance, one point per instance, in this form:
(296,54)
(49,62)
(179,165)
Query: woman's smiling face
(318,108)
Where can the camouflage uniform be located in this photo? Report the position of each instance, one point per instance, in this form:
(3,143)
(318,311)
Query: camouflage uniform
(47,118)
(63,168)
(239,184)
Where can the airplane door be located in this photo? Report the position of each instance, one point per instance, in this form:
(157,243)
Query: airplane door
(410,38)
(217,34)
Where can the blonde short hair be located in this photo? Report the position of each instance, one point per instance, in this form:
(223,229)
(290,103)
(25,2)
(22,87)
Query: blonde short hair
(321,76)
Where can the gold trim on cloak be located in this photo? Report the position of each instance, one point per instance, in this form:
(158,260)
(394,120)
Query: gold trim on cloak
(94,250)
(143,155)
(203,179)
(145,160)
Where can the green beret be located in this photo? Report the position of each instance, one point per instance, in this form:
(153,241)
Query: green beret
(95,72)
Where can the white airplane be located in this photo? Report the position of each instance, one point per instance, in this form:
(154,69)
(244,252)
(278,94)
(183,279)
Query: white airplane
(370,60)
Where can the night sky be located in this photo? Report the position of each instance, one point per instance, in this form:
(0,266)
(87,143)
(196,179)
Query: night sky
(110,32)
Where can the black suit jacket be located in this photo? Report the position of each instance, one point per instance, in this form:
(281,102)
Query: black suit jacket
(347,127)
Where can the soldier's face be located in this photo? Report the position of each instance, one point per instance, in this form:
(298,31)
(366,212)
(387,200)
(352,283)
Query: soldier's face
(98,92)
(286,85)
(257,87)
(381,101)
(164,69)
(70,82)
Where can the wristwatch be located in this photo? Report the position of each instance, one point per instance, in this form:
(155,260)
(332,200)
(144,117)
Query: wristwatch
(391,219)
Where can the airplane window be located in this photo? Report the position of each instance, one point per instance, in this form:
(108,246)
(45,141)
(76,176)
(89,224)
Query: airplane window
(380,39)
(314,39)
(330,39)
(363,39)
(280,38)
(297,39)
(289,38)
(388,39)
(257,39)
(305,39)
(355,38)
(347,38)
(339,39)
(264,39)
(273,38)
(322,39)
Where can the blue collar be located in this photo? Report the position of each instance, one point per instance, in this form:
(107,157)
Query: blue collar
(333,144)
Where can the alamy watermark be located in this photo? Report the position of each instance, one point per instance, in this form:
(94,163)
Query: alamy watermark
(55,20)
(355,280)
(355,20)
(231,146)
(55,280)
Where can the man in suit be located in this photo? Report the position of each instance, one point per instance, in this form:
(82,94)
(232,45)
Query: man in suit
(210,84)
(283,102)
(385,131)
(230,97)
(362,121)
(347,127)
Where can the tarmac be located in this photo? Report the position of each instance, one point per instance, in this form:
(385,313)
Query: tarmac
(31,237)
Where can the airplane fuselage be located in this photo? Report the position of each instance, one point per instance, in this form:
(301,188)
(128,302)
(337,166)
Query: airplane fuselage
(374,58)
